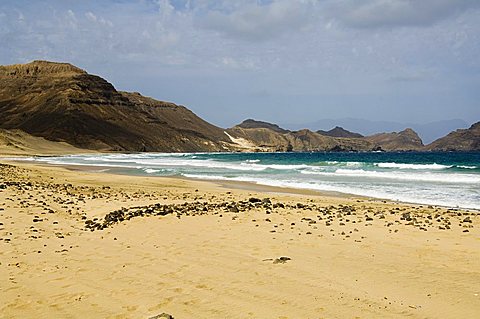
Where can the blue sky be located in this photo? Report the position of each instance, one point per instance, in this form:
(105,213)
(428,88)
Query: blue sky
(280,61)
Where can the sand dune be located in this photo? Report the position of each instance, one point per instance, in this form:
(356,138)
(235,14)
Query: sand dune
(17,142)
(349,257)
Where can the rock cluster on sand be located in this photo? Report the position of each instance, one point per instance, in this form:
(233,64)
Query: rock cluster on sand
(420,217)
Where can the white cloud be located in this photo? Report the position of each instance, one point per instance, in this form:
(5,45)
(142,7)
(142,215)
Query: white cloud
(315,52)
(90,16)
(395,13)
(259,22)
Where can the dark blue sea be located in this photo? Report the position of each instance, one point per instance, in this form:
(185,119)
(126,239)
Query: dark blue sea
(446,179)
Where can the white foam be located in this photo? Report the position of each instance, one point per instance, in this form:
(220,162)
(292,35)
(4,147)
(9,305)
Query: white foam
(425,177)
(337,163)
(412,196)
(280,166)
(150,170)
(331,162)
(433,166)
(354,164)
(431,184)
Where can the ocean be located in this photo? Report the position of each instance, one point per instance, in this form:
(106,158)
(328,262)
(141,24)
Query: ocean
(445,179)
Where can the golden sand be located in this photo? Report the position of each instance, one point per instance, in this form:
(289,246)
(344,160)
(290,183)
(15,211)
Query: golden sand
(349,257)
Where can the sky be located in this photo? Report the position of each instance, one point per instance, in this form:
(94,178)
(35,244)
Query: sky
(294,61)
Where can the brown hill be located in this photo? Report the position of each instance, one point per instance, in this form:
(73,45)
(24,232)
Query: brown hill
(250,123)
(338,131)
(262,136)
(406,140)
(61,102)
(459,140)
(268,140)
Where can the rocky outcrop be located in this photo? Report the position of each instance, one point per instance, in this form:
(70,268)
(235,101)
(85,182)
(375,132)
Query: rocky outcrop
(406,140)
(338,131)
(61,102)
(459,140)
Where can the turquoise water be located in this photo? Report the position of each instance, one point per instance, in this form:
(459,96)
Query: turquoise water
(447,179)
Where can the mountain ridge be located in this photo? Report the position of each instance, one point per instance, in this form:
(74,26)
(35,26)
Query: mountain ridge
(459,140)
(63,103)
(429,132)
(306,140)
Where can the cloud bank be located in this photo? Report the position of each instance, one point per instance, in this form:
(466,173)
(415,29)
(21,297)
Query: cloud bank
(412,60)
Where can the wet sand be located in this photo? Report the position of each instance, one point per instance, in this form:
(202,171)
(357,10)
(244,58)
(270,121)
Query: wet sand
(79,244)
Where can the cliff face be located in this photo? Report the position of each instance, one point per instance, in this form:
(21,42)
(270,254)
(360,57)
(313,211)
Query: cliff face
(459,140)
(61,102)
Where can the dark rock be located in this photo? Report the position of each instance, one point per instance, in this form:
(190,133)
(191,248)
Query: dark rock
(162,316)
(281,260)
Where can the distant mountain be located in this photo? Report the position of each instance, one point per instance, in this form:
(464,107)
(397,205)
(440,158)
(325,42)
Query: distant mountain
(428,132)
(250,123)
(338,131)
(261,137)
(459,140)
(61,102)
(267,140)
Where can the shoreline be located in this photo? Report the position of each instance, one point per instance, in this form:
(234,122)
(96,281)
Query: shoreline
(241,185)
(87,244)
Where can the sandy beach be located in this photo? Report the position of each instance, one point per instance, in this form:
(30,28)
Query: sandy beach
(80,244)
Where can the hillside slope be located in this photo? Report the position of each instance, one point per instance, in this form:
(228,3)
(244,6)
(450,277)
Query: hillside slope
(17,142)
(61,102)
(459,140)
(269,137)
(268,140)
(406,140)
